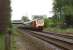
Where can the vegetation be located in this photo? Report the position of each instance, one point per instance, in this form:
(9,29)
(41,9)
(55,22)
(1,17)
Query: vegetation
(2,41)
(62,21)
(63,13)
(38,16)
(25,18)
(48,22)
(13,40)
(63,10)
(68,31)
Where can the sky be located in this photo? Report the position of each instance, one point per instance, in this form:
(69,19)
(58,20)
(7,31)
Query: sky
(30,7)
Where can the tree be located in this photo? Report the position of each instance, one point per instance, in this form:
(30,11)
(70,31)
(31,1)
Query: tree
(25,18)
(4,15)
(64,11)
(5,21)
(68,12)
(38,17)
(46,22)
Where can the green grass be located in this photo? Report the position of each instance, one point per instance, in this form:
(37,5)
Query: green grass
(68,31)
(14,35)
(1,41)
(13,44)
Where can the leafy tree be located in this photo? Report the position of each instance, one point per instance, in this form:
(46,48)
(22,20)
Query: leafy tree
(25,18)
(68,12)
(64,11)
(46,22)
(38,17)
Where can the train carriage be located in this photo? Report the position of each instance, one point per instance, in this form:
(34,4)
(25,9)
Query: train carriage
(36,24)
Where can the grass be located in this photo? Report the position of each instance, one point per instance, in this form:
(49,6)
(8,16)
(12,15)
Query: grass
(14,35)
(13,40)
(1,41)
(68,31)
(13,43)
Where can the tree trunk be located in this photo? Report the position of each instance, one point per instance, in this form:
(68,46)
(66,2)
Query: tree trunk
(5,20)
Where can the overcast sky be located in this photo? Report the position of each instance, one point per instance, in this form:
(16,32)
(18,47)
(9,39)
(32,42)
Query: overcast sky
(30,7)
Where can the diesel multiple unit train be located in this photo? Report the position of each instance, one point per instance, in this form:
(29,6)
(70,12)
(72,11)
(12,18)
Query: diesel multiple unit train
(36,24)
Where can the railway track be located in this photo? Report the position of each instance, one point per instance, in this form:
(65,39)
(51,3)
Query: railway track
(52,33)
(65,38)
(64,42)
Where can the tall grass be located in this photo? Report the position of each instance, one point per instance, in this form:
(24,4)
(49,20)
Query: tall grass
(2,45)
(67,31)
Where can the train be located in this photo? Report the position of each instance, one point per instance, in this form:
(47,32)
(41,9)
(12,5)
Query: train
(36,24)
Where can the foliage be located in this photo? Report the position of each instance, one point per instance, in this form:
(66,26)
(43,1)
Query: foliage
(63,10)
(68,31)
(48,22)
(25,18)
(2,41)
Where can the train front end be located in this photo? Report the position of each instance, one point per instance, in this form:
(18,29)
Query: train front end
(38,24)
